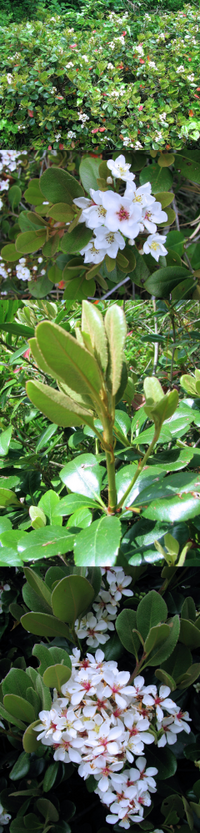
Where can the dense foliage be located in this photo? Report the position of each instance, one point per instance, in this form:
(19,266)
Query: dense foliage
(88,243)
(129,81)
(99,696)
(113,468)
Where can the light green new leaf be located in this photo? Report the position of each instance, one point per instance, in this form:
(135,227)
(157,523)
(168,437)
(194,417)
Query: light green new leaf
(5,438)
(93,324)
(69,361)
(116,330)
(57,407)
(29,740)
(19,707)
(56,675)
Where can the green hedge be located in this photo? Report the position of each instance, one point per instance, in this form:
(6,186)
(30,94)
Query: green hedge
(65,79)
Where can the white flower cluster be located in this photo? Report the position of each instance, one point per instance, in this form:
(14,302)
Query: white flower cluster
(9,157)
(92,627)
(111,216)
(102,723)
(2,588)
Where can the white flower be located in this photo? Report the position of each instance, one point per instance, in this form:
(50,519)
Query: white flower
(90,629)
(180,69)
(4,185)
(120,169)
(117,686)
(121,214)
(92,253)
(154,246)
(141,196)
(160,701)
(4,817)
(110,240)
(22,273)
(9,78)
(93,213)
(149,216)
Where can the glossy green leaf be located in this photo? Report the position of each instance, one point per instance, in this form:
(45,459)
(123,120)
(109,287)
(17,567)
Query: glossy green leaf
(71,596)
(69,504)
(47,809)
(191,675)
(44,542)
(48,503)
(99,544)
(116,329)
(188,611)
(33,600)
(156,636)
(21,767)
(164,760)
(176,509)
(165,678)
(150,612)
(178,662)
(16,681)
(37,584)
(162,651)
(83,475)
(50,776)
(189,634)
(44,625)
(125,625)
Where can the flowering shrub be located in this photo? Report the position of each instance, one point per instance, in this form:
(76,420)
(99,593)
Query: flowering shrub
(84,715)
(102,723)
(123,81)
(117,218)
